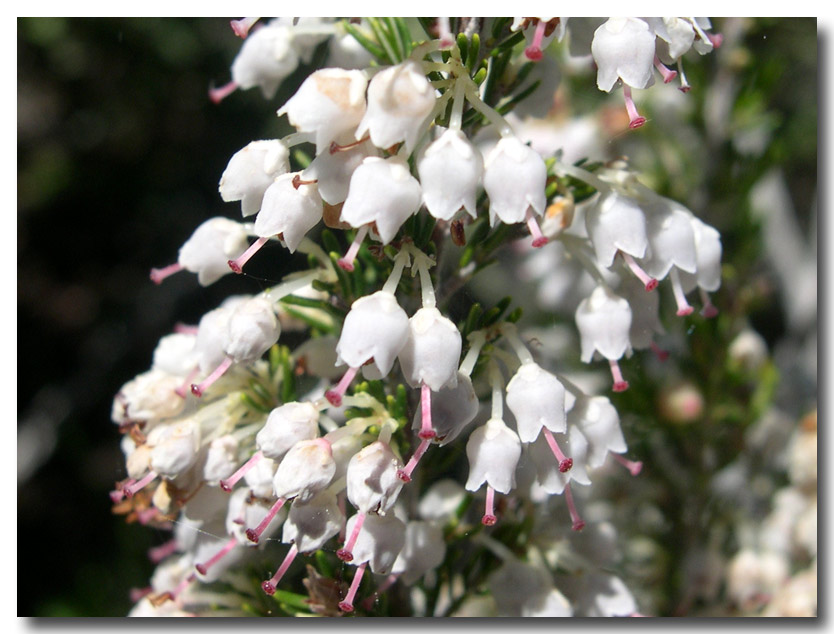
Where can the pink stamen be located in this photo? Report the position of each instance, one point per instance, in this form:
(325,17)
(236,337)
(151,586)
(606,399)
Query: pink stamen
(334,396)
(634,467)
(578,523)
(635,120)
(426,430)
(620,384)
(157,275)
(220,370)
(662,354)
(347,604)
(219,94)
(270,586)
(242,27)
(158,553)
(489,518)
(346,263)
(667,73)
(709,310)
(230,482)
(648,281)
(368,603)
(335,147)
(716,39)
(532,224)
(684,87)
(255,534)
(183,390)
(405,474)
(118,494)
(137,594)
(203,568)
(346,553)
(138,485)
(684,308)
(237,264)
(534,51)
(182,585)
(565,463)
(185,329)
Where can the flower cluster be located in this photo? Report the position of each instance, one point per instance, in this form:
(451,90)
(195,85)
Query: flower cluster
(238,442)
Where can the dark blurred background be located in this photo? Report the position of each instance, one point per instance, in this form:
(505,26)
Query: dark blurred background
(119,156)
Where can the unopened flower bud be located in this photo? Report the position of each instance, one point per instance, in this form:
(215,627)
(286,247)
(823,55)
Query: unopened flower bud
(251,171)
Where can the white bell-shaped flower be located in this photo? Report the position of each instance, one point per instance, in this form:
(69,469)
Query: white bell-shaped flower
(424,550)
(400,98)
(616,222)
(382,191)
(372,482)
(251,171)
(493,451)
(623,48)
(440,502)
(285,426)
(599,423)
(379,542)
(176,354)
(266,58)
(452,409)
(520,589)
(333,171)
(211,246)
(645,318)
(138,461)
(450,169)
(310,524)
(514,179)
(289,209)
(329,103)
(375,328)
(212,333)
(598,594)
(150,397)
(175,447)
(708,257)
(259,478)
(306,469)
(604,321)
(431,353)
(253,329)
(671,238)
(675,37)
(345,51)
(221,459)
(536,399)
(548,472)
(318,357)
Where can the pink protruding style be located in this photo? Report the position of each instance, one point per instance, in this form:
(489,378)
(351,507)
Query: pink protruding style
(667,73)
(220,370)
(204,568)
(271,584)
(489,518)
(534,51)
(716,39)
(346,263)
(158,553)
(709,310)
(334,396)
(659,352)
(243,26)
(118,494)
(347,604)
(539,240)
(648,281)
(578,522)
(565,463)
(254,534)
(237,264)
(219,94)
(183,390)
(620,384)
(157,275)
(684,308)
(405,473)
(146,516)
(232,480)
(335,147)
(634,118)
(138,485)
(346,553)
(634,467)
(444,33)
(426,429)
